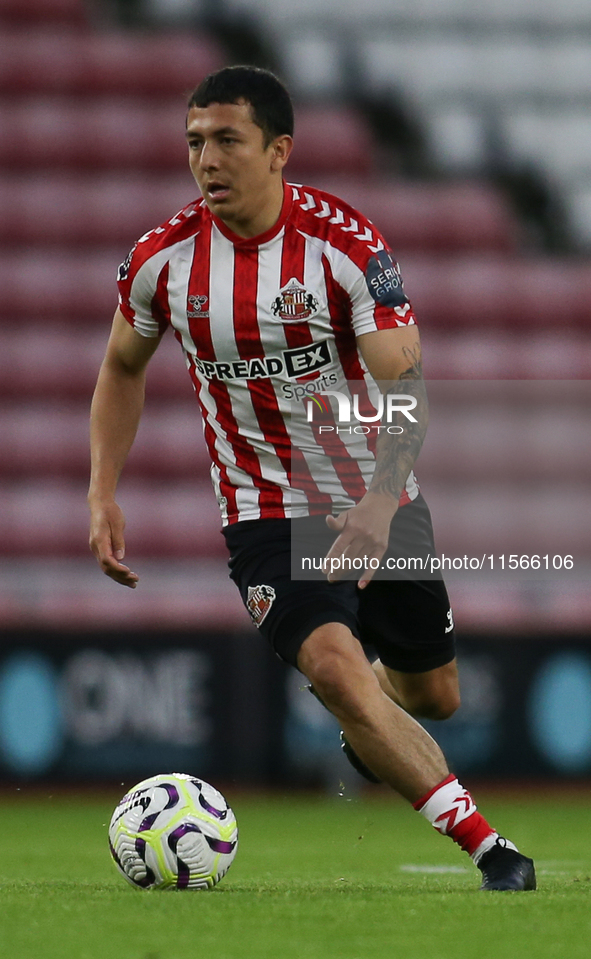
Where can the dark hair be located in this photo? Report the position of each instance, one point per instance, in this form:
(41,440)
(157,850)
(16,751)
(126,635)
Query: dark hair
(272,109)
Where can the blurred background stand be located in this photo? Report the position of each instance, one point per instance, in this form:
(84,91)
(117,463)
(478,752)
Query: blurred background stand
(463,131)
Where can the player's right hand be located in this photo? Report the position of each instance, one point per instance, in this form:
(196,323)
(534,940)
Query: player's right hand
(107,542)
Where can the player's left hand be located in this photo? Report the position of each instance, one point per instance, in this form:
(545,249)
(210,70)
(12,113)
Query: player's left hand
(363,535)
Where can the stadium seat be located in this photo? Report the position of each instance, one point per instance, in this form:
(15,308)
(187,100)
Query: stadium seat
(59,284)
(577,199)
(462,292)
(49,518)
(91,209)
(52,440)
(133,133)
(41,360)
(34,12)
(437,66)
(477,520)
(66,593)
(92,154)
(558,607)
(10,608)
(418,13)
(108,208)
(54,132)
(495,430)
(492,354)
(51,359)
(331,140)
(471,435)
(180,520)
(186,523)
(456,134)
(314,67)
(432,217)
(558,141)
(106,63)
(483,293)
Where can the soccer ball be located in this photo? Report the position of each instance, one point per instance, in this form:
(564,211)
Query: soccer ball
(173,832)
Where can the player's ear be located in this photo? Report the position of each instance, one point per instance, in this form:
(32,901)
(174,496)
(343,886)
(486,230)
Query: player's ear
(281,148)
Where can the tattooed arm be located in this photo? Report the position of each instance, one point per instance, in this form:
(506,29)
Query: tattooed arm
(393,358)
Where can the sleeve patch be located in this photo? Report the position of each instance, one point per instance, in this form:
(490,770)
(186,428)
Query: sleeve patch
(384,281)
(123,271)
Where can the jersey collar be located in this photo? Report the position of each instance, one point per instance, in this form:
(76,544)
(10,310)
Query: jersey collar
(251,241)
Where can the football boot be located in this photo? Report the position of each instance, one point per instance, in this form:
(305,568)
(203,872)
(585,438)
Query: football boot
(504,869)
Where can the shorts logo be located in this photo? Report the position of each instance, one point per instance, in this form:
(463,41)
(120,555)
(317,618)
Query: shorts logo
(259,602)
(195,309)
(450,619)
(294,303)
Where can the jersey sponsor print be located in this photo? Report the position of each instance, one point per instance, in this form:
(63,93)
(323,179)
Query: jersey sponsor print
(265,323)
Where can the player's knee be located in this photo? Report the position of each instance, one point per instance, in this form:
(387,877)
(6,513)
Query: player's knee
(337,674)
(444,709)
(439,707)
(332,681)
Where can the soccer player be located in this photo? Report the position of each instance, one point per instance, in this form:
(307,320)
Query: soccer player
(276,292)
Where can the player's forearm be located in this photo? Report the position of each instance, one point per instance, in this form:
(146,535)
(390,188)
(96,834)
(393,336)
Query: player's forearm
(115,414)
(396,453)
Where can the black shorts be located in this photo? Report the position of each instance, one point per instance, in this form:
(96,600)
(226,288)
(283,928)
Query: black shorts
(407,621)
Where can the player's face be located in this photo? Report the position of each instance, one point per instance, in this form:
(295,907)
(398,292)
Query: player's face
(239,177)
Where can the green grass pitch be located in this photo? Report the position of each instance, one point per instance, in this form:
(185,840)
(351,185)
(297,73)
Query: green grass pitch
(314,878)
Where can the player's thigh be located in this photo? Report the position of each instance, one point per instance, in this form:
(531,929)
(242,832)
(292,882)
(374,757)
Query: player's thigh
(432,694)
(285,611)
(409,623)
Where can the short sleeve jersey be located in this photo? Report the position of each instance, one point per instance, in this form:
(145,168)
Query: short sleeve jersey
(268,325)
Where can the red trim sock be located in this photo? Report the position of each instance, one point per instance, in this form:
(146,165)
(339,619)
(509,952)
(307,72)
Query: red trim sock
(451,810)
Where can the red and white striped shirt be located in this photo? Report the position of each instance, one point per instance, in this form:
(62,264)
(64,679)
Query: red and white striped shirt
(267,323)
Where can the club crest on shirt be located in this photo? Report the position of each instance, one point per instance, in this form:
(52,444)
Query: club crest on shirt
(295,303)
(195,306)
(259,602)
